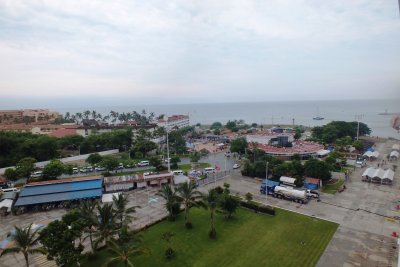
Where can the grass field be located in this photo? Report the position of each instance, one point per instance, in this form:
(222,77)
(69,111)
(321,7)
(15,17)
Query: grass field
(333,188)
(250,239)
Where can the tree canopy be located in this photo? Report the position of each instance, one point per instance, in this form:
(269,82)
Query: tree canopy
(239,145)
(334,130)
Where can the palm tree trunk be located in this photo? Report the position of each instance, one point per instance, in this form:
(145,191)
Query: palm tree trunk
(212,220)
(186,213)
(91,240)
(26,259)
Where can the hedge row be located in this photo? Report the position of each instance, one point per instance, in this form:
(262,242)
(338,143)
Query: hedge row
(258,207)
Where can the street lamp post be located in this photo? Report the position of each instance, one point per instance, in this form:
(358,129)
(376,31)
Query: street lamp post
(168,163)
(266,183)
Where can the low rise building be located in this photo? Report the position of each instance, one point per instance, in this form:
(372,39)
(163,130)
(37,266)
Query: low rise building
(174,122)
(35,115)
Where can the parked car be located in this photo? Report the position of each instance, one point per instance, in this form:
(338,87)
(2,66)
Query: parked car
(75,170)
(361,162)
(121,166)
(99,169)
(227,153)
(37,174)
(144,163)
(236,166)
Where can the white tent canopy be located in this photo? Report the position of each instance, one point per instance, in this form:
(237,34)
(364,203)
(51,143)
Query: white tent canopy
(378,175)
(394,155)
(370,154)
(323,152)
(369,172)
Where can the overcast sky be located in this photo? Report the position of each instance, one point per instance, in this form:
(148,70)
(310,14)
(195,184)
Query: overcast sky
(197,51)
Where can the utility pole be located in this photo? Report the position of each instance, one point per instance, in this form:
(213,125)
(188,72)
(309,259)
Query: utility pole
(168,161)
(358,118)
(266,183)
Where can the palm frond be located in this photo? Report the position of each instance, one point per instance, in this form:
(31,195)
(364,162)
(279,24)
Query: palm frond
(10,250)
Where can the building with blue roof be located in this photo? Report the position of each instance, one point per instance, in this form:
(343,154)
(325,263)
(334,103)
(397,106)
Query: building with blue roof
(58,191)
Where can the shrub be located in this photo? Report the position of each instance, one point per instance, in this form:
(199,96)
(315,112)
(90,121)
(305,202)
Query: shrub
(188,225)
(169,253)
(257,207)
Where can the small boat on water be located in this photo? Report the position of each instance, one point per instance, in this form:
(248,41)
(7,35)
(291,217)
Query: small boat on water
(318,118)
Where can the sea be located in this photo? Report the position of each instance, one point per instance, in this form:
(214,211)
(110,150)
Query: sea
(277,112)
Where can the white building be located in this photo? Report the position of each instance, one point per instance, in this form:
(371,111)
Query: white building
(174,122)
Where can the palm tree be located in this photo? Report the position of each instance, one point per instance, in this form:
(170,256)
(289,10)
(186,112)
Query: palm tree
(190,197)
(121,211)
(123,252)
(106,226)
(171,199)
(26,242)
(87,213)
(114,116)
(211,201)
(86,114)
(78,116)
(67,116)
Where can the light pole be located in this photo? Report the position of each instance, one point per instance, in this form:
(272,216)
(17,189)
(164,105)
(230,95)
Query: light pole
(266,183)
(168,164)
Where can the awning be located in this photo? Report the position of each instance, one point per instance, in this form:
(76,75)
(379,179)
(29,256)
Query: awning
(287,180)
(323,152)
(6,203)
(107,198)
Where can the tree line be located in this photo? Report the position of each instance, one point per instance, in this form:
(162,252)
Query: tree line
(141,118)
(335,130)
(15,146)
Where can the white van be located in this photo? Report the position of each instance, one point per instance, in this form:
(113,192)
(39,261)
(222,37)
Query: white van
(37,174)
(209,170)
(143,163)
(9,190)
(178,172)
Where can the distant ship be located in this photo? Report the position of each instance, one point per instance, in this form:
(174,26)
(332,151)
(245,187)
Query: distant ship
(386,113)
(318,118)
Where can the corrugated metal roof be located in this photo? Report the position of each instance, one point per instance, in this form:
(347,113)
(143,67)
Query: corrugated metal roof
(64,196)
(60,187)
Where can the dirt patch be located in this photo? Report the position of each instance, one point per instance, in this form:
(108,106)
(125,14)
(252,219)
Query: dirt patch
(332,181)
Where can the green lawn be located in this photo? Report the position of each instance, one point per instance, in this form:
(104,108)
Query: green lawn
(249,239)
(188,166)
(332,188)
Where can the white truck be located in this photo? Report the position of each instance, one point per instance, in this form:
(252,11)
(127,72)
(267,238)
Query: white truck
(289,193)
